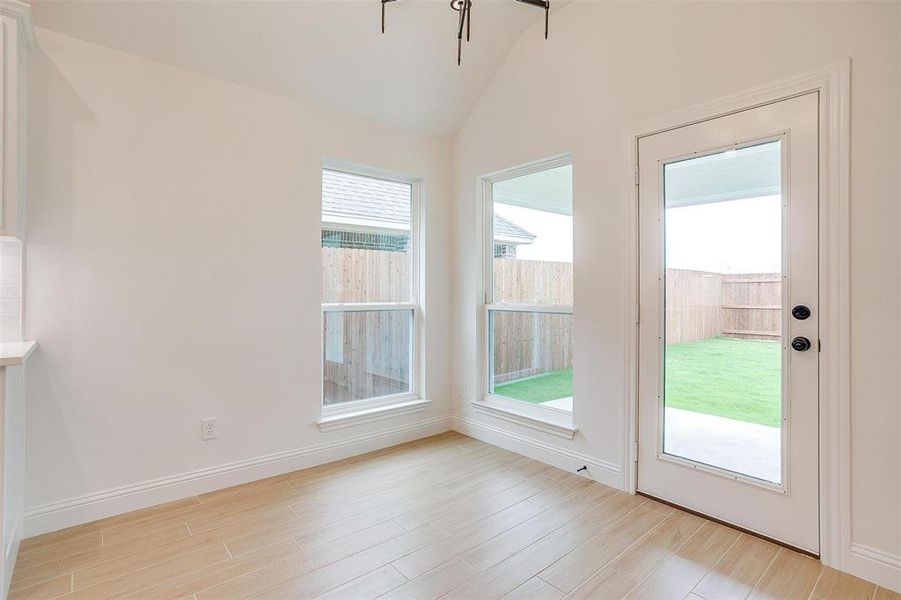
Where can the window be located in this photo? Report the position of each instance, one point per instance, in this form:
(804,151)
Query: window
(369,292)
(529,289)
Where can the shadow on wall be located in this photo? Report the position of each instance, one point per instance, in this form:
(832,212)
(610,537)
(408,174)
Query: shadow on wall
(55,113)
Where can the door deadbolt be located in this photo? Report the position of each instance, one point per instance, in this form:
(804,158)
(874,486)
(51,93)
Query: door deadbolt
(801,344)
(801,312)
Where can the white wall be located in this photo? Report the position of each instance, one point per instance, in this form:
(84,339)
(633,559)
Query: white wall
(10,289)
(609,64)
(12,396)
(164,204)
(173,274)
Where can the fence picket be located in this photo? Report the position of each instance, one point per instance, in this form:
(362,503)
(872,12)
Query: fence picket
(699,305)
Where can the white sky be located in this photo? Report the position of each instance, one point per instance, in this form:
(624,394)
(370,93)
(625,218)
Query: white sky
(738,236)
(553,233)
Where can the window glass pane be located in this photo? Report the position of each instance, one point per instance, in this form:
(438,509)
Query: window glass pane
(367,354)
(723,348)
(533,238)
(531,357)
(366,239)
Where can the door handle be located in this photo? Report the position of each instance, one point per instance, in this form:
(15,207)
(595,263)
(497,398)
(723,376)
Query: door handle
(801,312)
(801,344)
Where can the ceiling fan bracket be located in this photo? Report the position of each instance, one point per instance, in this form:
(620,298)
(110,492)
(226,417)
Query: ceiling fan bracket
(464,19)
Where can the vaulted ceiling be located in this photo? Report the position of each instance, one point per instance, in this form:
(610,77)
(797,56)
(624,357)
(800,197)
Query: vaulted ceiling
(329,51)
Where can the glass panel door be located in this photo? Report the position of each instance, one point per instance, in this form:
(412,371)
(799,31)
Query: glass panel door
(728,368)
(723,355)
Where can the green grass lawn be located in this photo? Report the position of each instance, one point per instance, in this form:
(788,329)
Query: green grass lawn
(737,379)
(541,388)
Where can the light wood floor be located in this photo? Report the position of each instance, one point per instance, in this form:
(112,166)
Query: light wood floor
(445,517)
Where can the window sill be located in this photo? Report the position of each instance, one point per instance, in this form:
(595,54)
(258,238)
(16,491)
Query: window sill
(369,415)
(555,422)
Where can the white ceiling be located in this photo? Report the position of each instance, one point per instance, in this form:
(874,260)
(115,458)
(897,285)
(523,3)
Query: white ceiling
(330,51)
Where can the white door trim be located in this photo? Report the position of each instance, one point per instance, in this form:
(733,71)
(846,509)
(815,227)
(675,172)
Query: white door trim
(833,83)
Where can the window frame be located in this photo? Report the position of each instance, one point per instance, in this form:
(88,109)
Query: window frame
(377,407)
(545,418)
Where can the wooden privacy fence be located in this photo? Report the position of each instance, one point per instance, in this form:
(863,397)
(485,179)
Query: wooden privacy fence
(533,343)
(693,305)
(368,354)
(702,304)
(359,275)
(533,281)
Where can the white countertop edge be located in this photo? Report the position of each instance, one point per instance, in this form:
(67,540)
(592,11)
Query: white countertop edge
(15,353)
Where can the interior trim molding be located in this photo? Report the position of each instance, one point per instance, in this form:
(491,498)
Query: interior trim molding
(563,458)
(520,418)
(833,83)
(21,12)
(90,507)
(371,415)
(875,565)
(11,553)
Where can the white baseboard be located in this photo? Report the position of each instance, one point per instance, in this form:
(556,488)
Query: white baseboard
(563,458)
(861,560)
(10,554)
(99,505)
(874,565)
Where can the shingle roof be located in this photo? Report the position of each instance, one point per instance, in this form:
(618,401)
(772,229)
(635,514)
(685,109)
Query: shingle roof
(506,228)
(359,197)
(347,197)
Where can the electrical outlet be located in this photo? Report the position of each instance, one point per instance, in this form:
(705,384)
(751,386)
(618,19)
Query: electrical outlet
(463,390)
(208,429)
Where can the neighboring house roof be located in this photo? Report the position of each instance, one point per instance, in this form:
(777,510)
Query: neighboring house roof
(359,203)
(355,199)
(507,230)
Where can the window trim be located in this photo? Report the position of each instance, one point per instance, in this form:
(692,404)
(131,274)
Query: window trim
(543,418)
(380,407)
(549,420)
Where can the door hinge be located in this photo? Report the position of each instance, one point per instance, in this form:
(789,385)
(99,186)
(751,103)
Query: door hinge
(637,314)
(636,177)
(636,450)
(819,345)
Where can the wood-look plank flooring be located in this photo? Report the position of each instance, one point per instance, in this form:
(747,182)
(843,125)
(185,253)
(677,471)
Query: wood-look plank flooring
(444,517)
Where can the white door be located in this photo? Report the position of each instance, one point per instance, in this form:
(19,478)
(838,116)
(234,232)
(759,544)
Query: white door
(728,332)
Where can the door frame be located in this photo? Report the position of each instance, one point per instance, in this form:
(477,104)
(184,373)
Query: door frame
(833,84)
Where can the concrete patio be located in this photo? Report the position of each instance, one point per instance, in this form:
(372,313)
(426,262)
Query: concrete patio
(561,403)
(746,448)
